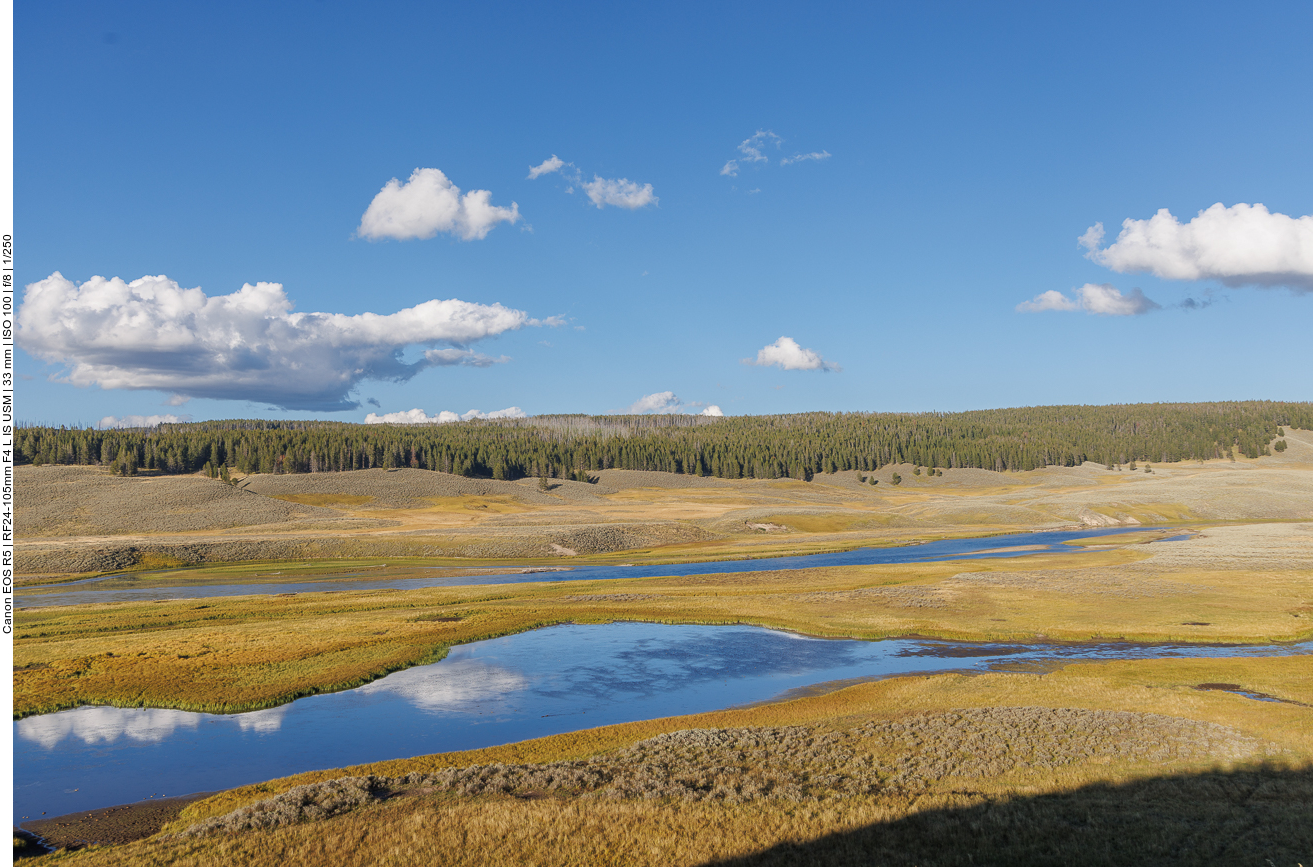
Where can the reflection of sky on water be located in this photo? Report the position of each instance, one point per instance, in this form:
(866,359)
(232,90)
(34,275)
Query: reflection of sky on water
(551,680)
(270,720)
(105,725)
(452,686)
(95,725)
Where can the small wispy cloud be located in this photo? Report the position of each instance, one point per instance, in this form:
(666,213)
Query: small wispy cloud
(616,192)
(751,151)
(786,354)
(1208,300)
(756,148)
(801,158)
(546,167)
(621,192)
(429,203)
(1101,299)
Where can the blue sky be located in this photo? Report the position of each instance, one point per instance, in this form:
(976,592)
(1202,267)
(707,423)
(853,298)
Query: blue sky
(959,151)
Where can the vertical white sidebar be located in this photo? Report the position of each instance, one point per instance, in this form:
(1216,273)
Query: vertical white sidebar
(7,377)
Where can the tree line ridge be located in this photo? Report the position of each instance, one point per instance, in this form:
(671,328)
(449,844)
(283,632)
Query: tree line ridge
(771,446)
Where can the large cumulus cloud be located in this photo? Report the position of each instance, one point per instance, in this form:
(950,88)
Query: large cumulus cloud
(1240,245)
(152,333)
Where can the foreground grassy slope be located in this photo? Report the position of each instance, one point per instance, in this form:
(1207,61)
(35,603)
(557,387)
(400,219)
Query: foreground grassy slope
(1236,583)
(1248,807)
(1080,801)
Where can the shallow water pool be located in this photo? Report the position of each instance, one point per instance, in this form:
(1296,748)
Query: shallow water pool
(551,680)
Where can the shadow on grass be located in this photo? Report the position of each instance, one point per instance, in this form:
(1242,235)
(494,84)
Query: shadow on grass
(1262,817)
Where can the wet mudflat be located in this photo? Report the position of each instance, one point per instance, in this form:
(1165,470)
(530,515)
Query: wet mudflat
(547,681)
(109,825)
(1015,545)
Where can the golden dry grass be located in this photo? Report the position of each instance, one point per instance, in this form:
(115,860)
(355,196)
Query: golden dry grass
(1140,822)
(1234,583)
(390,512)
(242,653)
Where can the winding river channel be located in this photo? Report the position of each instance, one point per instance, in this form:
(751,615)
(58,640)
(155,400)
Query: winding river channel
(543,682)
(1054,541)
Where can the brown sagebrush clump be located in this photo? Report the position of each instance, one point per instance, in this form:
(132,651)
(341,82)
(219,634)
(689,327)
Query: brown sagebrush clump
(791,763)
(304,803)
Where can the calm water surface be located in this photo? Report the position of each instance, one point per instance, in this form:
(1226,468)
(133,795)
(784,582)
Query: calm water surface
(943,549)
(548,681)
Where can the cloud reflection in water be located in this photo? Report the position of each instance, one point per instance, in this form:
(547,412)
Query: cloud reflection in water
(94,725)
(451,686)
(262,721)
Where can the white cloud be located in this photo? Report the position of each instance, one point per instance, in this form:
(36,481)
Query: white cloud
(730,168)
(660,402)
(799,158)
(1103,299)
(418,416)
(1050,300)
(621,193)
(429,203)
(110,421)
(1092,238)
(546,167)
(411,416)
(154,334)
(1241,245)
(667,403)
(508,412)
(786,354)
(1099,298)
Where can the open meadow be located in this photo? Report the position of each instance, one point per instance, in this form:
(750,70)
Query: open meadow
(1024,766)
